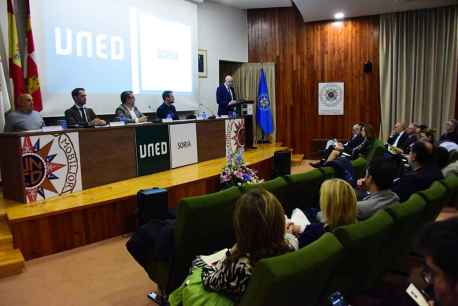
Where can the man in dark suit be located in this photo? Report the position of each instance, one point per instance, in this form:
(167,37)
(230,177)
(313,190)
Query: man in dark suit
(225,97)
(425,172)
(79,115)
(399,137)
(167,109)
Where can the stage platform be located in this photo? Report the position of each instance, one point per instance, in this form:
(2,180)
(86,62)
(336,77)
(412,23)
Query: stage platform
(106,211)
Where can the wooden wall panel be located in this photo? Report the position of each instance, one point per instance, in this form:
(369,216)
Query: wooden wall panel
(308,53)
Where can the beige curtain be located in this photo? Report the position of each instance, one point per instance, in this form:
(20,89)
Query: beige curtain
(418,67)
(246,82)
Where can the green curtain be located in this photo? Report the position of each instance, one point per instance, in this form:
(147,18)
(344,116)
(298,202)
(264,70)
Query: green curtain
(418,67)
(246,82)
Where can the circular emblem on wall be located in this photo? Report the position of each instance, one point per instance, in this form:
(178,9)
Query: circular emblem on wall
(331,95)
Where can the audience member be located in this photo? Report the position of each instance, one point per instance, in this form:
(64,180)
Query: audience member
(379,178)
(338,207)
(355,140)
(451,132)
(167,109)
(79,115)
(127,111)
(398,137)
(24,118)
(425,171)
(368,135)
(411,138)
(439,243)
(259,224)
(428,135)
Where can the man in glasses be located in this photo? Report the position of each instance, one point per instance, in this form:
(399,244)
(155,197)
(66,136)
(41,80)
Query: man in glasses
(439,243)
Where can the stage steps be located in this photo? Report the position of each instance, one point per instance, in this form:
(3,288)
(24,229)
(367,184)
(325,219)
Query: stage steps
(11,260)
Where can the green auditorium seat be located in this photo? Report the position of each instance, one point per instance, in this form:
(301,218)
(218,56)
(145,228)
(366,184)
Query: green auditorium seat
(365,244)
(297,278)
(278,186)
(304,189)
(451,183)
(408,220)
(203,226)
(436,198)
(359,167)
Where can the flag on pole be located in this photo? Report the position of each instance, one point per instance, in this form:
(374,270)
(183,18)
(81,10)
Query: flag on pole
(15,65)
(33,83)
(263,112)
(4,97)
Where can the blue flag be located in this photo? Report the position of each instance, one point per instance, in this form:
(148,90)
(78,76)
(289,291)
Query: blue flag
(263,112)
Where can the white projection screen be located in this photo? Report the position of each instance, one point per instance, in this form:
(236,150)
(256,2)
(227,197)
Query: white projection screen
(108,46)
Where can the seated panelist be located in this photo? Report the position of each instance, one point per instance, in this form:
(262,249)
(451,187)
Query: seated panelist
(167,109)
(127,111)
(78,114)
(24,118)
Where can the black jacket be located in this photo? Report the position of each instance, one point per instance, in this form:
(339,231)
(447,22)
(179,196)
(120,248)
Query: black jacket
(165,110)
(417,180)
(402,141)
(74,118)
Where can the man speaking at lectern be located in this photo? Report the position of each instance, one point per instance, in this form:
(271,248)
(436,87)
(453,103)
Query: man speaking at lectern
(225,97)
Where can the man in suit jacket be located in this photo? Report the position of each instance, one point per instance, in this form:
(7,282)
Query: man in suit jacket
(425,173)
(167,109)
(399,137)
(79,115)
(127,111)
(225,97)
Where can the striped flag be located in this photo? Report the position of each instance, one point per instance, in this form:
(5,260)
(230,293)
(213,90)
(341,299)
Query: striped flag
(4,97)
(15,65)
(33,83)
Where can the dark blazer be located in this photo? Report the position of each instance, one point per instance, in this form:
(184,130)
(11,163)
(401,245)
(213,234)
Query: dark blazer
(164,110)
(223,97)
(417,180)
(353,143)
(74,118)
(123,113)
(451,137)
(402,141)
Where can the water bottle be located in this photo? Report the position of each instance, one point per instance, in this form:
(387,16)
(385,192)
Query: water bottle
(169,117)
(204,115)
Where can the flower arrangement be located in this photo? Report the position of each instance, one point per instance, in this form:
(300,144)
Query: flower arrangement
(236,172)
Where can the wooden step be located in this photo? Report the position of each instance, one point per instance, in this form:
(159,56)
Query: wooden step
(11,262)
(6,239)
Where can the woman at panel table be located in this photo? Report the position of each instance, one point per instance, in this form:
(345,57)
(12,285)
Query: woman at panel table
(127,111)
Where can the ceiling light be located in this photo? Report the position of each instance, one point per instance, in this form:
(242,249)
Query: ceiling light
(339,15)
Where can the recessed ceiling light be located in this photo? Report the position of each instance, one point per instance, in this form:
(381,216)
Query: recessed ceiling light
(339,15)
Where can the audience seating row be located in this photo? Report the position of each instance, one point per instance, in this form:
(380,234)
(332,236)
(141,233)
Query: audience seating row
(351,259)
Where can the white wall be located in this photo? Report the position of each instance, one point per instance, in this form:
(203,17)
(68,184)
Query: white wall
(223,32)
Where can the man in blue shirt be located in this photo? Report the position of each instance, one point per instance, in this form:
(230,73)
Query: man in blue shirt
(167,109)
(24,118)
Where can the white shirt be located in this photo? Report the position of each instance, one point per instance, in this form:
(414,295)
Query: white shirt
(133,115)
(395,144)
(84,110)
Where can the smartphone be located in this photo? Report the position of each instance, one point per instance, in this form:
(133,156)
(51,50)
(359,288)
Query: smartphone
(337,299)
(154,297)
(419,296)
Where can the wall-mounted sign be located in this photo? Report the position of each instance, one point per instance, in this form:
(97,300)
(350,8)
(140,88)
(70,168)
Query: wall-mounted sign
(331,99)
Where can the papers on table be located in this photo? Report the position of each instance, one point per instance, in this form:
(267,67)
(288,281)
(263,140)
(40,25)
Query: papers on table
(299,218)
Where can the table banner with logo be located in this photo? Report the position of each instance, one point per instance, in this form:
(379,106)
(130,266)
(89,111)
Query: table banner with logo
(153,149)
(183,144)
(235,135)
(51,165)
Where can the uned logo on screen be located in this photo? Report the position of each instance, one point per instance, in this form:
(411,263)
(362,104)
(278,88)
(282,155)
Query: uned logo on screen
(153,149)
(105,46)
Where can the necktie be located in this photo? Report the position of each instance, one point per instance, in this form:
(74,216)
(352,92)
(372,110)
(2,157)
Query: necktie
(83,114)
(230,92)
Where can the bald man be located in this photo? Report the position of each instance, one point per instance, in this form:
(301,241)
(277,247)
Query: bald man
(24,118)
(225,97)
